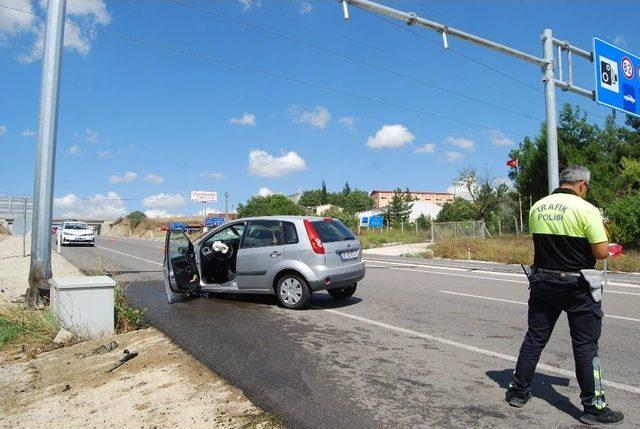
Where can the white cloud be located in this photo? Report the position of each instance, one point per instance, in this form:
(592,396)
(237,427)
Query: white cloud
(154,178)
(75,150)
(100,206)
(87,14)
(246,119)
(160,214)
(265,192)
(461,142)
(426,148)
(104,154)
(390,136)
(620,40)
(305,7)
(90,136)
(499,139)
(349,122)
(250,4)
(164,201)
(28,133)
(13,22)
(264,164)
(3,130)
(317,118)
(211,175)
(452,156)
(127,177)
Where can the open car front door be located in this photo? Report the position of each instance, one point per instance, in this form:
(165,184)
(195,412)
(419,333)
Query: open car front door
(180,270)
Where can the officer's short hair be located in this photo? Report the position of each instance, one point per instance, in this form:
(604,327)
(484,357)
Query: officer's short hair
(575,174)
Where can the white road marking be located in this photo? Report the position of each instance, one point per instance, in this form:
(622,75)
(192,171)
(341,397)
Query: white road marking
(616,284)
(130,256)
(488,298)
(542,366)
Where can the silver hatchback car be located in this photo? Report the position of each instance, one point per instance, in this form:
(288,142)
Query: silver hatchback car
(289,256)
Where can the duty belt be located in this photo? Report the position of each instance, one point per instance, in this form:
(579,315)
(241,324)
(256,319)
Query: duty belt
(557,272)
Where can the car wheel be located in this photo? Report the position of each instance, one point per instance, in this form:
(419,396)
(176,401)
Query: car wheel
(293,292)
(343,292)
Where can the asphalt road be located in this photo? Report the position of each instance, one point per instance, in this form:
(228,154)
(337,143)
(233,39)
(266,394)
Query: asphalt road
(417,346)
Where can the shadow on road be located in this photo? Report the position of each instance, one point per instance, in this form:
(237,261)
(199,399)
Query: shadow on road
(543,388)
(318,300)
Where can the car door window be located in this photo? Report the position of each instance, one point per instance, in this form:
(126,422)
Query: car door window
(263,233)
(230,233)
(290,233)
(178,246)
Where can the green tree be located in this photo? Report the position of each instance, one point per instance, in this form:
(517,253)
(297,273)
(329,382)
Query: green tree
(358,201)
(324,197)
(457,210)
(424,222)
(399,207)
(624,216)
(347,189)
(311,198)
(271,205)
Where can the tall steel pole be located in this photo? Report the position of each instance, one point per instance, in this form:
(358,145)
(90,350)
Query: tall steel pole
(550,108)
(226,206)
(40,271)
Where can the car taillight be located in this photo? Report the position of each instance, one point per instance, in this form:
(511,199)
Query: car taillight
(314,238)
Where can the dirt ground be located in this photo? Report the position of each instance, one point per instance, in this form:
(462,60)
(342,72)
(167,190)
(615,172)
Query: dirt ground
(163,387)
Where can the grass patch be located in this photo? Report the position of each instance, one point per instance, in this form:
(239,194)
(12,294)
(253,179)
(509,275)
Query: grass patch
(376,238)
(507,249)
(31,329)
(515,250)
(127,317)
(262,420)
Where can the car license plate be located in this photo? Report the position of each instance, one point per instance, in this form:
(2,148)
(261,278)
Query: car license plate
(353,254)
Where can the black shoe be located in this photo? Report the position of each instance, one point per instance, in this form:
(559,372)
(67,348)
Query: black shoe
(517,399)
(606,416)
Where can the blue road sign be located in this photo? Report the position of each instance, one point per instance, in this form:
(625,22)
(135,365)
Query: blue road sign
(213,221)
(376,222)
(178,226)
(364,221)
(617,77)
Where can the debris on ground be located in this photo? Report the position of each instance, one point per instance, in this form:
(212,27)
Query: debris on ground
(63,337)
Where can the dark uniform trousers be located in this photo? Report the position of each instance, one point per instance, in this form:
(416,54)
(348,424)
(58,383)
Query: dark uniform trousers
(550,295)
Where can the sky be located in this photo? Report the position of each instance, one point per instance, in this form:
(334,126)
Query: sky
(252,97)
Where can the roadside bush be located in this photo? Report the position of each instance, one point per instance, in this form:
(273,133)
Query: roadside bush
(135,218)
(127,317)
(624,215)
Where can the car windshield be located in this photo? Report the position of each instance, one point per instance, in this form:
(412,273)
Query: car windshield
(76,226)
(331,230)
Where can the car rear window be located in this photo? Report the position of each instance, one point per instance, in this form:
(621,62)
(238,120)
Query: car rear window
(290,233)
(332,230)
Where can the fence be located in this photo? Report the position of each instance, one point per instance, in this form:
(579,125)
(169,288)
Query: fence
(464,229)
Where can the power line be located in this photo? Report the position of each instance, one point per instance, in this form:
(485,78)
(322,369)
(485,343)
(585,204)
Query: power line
(469,58)
(350,58)
(387,52)
(193,54)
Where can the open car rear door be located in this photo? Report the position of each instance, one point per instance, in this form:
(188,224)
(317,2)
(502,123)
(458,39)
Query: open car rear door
(180,270)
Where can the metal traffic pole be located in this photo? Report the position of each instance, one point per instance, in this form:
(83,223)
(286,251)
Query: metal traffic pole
(40,270)
(550,110)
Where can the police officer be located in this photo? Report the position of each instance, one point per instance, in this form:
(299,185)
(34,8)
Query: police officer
(568,236)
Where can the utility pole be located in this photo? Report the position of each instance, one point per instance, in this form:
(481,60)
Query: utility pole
(40,270)
(226,206)
(547,63)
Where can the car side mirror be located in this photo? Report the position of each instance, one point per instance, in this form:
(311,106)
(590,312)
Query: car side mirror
(183,250)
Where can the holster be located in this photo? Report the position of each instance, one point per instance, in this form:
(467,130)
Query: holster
(594,279)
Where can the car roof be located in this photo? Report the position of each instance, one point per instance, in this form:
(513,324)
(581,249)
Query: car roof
(285,217)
